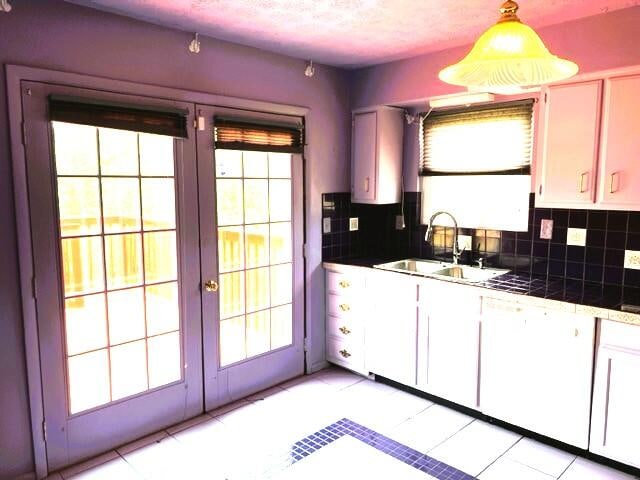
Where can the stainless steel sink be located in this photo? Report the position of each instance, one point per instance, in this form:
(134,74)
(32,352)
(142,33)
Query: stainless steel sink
(420,267)
(435,268)
(469,274)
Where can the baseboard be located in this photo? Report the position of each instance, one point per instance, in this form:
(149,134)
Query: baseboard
(316,367)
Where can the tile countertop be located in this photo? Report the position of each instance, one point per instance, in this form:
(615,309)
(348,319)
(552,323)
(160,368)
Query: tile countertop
(574,296)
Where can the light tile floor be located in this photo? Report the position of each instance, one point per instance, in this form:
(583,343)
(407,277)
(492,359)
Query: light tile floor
(237,441)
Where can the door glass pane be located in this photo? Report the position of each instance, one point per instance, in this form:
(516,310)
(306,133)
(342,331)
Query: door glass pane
(230,248)
(232,348)
(160,261)
(126,315)
(128,369)
(281,326)
(230,202)
(88,380)
(79,200)
(256,299)
(258,333)
(82,265)
(118,152)
(124,260)
(158,203)
(85,323)
(256,201)
(257,245)
(280,242)
(231,294)
(164,359)
(156,155)
(163,310)
(75,149)
(118,220)
(121,204)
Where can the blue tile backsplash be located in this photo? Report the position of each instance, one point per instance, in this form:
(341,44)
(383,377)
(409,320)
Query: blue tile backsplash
(601,261)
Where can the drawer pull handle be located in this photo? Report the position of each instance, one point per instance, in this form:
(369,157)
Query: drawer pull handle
(345,330)
(581,187)
(611,182)
(345,354)
(345,307)
(344,284)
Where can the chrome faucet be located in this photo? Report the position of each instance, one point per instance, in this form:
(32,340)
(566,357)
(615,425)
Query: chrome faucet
(429,235)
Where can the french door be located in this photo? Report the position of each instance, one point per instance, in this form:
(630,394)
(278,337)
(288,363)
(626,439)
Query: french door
(251,229)
(168,274)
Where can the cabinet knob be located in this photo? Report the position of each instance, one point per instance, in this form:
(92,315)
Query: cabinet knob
(345,354)
(345,307)
(345,330)
(344,284)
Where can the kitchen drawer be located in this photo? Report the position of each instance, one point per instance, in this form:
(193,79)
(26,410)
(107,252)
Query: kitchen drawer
(345,353)
(341,305)
(345,327)
(620,335)
(343,283)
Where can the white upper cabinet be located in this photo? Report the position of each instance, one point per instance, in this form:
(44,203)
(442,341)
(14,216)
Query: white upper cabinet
(589,145)
(620,147)
(569,145)
(376,155)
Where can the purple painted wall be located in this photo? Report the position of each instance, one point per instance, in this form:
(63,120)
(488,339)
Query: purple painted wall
(58,35)
(595,43)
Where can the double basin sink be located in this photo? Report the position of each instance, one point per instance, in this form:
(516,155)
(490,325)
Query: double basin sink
(438,269)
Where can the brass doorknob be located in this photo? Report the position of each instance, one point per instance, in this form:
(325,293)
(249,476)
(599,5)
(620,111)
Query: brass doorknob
(211,286)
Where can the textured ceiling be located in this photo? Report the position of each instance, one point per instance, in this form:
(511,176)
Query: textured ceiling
(347,33)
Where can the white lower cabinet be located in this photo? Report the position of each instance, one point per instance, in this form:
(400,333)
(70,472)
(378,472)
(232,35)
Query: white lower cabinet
(392,326)
(615,422)
(536,369)
(449,342)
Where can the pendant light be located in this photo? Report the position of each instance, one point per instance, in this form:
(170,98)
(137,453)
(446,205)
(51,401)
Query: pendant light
(508,57)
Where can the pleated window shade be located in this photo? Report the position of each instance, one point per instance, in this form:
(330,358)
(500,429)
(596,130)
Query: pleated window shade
(495,139)
(239,135)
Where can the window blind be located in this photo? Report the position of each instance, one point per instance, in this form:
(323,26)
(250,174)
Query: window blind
(233,134)
(137,118)
(494,139)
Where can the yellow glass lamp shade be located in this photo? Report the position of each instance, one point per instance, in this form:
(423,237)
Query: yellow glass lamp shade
(507,57)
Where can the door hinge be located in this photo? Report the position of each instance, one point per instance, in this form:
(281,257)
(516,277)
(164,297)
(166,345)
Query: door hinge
(44,430)
(34,291)
(545,97)
(24,133)
(305,250)
(540,190)
(306,344)
(198,123)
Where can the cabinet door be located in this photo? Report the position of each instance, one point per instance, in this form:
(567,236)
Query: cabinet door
(452,348)
(558,355)
(615,423)
(363,164)
(569,150)
(391,334)
(620,151)
(502,377)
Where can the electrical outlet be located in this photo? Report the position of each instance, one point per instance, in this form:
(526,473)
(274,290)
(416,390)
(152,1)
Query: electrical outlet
(399,222)
(546,229)
(577,237)
(464,242)
(353,224)
(326,225)
(632,259)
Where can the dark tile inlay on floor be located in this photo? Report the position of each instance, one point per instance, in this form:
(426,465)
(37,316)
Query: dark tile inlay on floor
(397,450)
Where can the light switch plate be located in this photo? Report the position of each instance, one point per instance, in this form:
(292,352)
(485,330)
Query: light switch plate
(464,242)
(399,222)
(353,224)
(577,237)
(326,225)
(546,229)
(632,259)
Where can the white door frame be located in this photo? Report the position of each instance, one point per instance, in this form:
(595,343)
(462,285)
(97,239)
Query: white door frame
(15,75)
